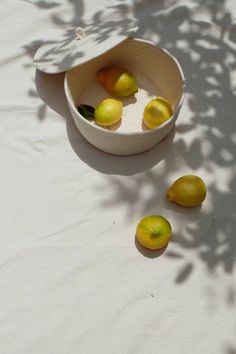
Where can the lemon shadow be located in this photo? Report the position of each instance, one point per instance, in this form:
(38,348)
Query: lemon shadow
(148,252)
(178,209)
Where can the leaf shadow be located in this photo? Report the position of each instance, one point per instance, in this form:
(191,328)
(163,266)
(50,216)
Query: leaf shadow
(206,51)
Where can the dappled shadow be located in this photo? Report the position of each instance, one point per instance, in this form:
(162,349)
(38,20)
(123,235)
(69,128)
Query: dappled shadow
(46,83)
(205,139)
(67,44)
(208,58)
(203,142)
(43,4)
(72,43)
(50,88)
(230,349)
(116,165)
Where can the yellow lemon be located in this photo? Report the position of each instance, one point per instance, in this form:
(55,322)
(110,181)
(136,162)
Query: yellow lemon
(187,191)
(153,232)
(117,81)
(108,112)
(156,112)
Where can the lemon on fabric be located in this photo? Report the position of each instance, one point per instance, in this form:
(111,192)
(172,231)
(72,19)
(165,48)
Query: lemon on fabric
(118,82)
(156,112)
(108,112)
(153,232)
(188,191)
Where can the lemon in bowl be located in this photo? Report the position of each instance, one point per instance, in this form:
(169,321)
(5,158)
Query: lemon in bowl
(156,72)
(108,112)
(118,82)
(157,112)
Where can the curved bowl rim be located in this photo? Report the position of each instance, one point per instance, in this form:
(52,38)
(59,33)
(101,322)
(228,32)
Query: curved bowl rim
(145,132)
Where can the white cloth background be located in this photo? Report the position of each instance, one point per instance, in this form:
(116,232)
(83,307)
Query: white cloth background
(72,279)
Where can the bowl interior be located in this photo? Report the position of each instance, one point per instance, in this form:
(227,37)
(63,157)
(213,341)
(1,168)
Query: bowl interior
(156,71)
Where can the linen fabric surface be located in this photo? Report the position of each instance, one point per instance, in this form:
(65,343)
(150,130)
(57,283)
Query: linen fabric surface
(73,280)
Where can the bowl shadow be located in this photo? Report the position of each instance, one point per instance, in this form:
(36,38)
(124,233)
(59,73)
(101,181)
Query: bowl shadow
(50,88)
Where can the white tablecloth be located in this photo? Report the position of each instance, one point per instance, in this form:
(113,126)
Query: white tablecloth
(72,278)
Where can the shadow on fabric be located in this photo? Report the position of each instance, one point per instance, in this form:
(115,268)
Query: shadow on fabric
(206,51)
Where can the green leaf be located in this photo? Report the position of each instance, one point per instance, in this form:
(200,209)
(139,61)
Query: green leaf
(86,111)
